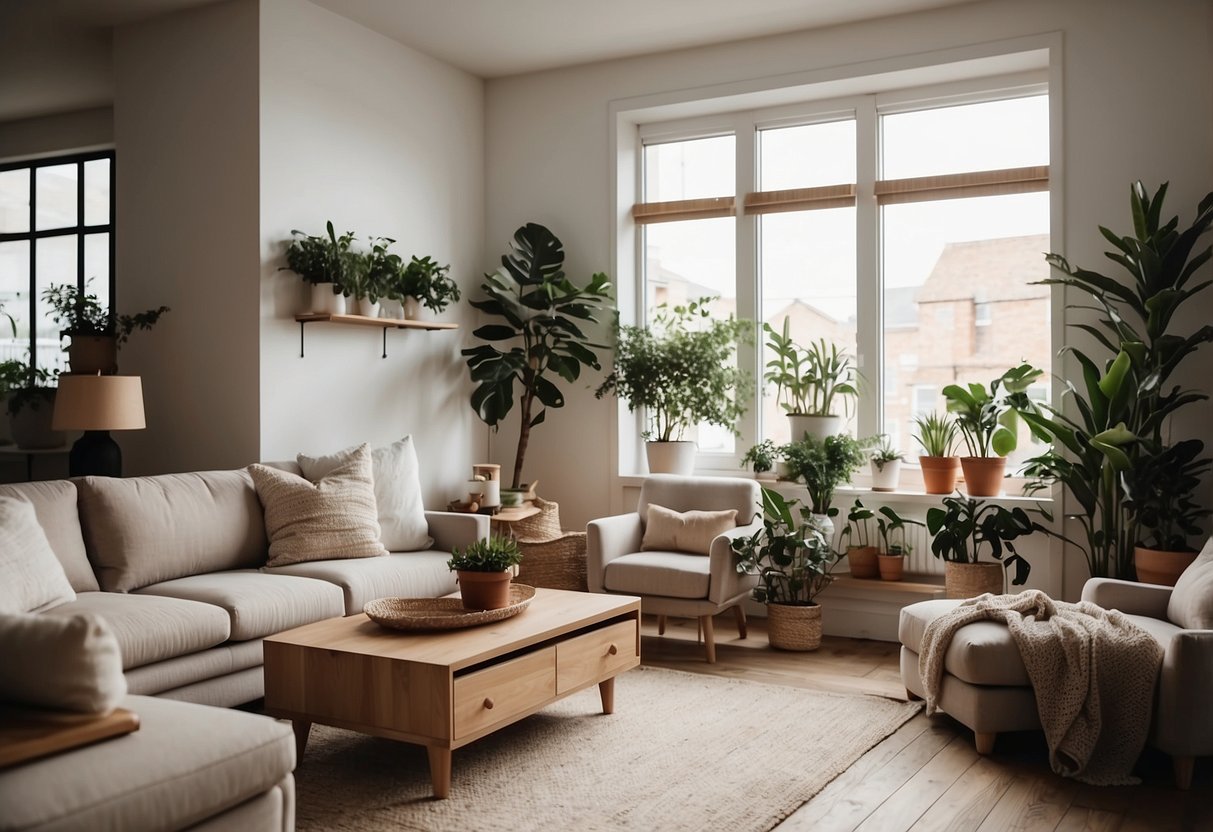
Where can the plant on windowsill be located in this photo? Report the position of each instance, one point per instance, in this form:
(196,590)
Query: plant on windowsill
(857,536)
(940,467)
(825,464)
(763,458)
(962,529)
(682,370)
(988,422)
(886,465)
(96,332)
(808,380)
(30,404)
(425,285)
(891,559)
(484,569)
(792,559)
(325,262)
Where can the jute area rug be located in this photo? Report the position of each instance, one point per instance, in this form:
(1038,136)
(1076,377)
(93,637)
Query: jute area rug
(682,751)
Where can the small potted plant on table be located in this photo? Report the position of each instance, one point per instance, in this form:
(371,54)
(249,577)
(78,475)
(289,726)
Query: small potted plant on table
(886,465)
(792,559)
(960,531)
(763,458)
(484,569)
(96,332)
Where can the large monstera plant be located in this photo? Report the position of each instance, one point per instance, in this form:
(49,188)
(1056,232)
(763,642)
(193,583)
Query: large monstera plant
(540,334)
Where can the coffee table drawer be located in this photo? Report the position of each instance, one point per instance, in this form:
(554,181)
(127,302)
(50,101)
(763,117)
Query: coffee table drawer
(502,691)
(588,658)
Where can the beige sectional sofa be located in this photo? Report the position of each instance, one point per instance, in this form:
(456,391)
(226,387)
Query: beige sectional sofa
(175,566)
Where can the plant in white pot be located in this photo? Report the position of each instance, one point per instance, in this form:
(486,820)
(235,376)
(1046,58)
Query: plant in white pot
(792,559)
(426,288)
(825,464)
(808,381)
(886,465)
(682,371)
(485,571)
(763,458)
(325,262)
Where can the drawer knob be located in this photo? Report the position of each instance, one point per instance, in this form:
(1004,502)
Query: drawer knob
(488,703)
(612,650)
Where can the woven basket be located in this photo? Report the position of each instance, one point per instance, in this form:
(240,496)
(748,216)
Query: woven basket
(542,526)
(791,627)
(558,563)
(968,580)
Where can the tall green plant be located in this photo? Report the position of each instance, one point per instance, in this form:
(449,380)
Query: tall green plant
(807,379)
(988,420)
(542,313)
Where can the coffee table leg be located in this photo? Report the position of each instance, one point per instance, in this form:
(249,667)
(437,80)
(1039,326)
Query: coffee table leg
(440,770)
(302,729)
(606,690)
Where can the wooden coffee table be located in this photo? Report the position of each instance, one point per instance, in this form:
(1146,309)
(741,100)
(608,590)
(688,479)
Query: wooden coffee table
(446,689)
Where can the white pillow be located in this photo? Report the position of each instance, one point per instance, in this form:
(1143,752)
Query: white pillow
(31,577)
(69,663)
(402,523)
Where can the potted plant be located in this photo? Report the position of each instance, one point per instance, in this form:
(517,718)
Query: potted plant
(426,285)
(807,381)
(30,402)
(326,262)
(988,421)
(1159,495)
(542,313)
(682,371)
(792,559)
(857,535)
(937,436)
(825,464)
(962,529)
(886,465)
(891,559)
(763,458)
(484,568)
(96,332)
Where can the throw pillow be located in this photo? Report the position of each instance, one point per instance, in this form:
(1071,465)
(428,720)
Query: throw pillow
(33,577)
(69,663)
(331,519)
(1191,604)
(685,531)
(402,523)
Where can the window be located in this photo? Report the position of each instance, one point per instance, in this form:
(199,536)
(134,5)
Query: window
(906,229)
(56,226)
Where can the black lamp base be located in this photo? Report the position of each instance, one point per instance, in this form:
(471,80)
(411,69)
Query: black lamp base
(95,454)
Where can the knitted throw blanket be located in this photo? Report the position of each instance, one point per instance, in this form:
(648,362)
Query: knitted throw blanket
(1093,672)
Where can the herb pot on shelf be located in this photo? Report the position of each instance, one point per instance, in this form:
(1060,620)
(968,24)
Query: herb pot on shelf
(484,590)
(327,300)
(794,626)
(1156,566)
(939,473)
(415,310)
(368,308)
(983,475)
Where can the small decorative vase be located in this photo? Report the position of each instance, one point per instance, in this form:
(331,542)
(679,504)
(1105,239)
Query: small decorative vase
(983,475)
(862,562)
(1156,566)
(819,427)
(671,457)
(794,627)
(939,473)
(484,590)
(886,477)
(368,308)
(968,580)
(322,298)
(892,567)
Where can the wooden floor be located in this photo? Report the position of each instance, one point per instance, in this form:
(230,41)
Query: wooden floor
(927,776)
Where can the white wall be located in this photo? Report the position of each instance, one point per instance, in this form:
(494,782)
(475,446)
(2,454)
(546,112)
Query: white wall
(1126,117)
(60,133)
(383,141)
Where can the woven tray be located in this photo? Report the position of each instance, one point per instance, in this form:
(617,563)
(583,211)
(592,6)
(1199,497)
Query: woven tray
(421,614)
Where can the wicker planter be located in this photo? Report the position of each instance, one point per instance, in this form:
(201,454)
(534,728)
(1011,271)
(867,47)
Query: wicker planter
(983,475)
(794,627)
(1155,566)
(892,567)
(862,562)
(968,580)
(485,590)
(939,473)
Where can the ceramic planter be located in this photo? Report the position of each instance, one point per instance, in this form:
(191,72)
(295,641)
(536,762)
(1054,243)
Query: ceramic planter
(415,310)
(892,567)
(862,562)
(887,476)
(983,475)
(794,627)
(92,354)
(671,457)
(368,308)
(819,427)
(1156,566)
(939,473)
(968,580)
(326,301)
(484,590)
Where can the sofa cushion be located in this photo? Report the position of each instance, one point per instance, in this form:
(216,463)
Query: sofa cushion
(212,663)
(981,653)
(84,675)
(1191,604)
(31,577)
(335,517)
(145,530)
(409,575)
(151,629)
(397,482)
(258,604)
(685,531)
(54,502)
(185,763)
(668,574)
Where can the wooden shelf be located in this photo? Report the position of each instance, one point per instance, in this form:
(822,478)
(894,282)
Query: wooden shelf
(361,320)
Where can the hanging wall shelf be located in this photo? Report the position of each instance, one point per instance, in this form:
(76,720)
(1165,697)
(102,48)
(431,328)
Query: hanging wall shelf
(360,320)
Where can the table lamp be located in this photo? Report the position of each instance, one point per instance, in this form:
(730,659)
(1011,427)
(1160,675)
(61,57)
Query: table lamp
(96,405)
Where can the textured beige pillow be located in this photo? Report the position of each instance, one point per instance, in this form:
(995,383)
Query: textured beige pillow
(402,523)
(31,577)
(685,531)
(69,663)
(331,519)
(1191,604)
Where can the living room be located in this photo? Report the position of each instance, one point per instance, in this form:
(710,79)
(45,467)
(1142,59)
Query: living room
(446,127)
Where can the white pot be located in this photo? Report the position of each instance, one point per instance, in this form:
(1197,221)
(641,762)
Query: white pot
(415,310)
(826,524)
(368,308)
(323,297)
(337,305)
(886,479)
(819,427)
(671,457)
(392,309)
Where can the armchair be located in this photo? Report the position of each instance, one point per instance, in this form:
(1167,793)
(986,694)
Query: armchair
(674,583)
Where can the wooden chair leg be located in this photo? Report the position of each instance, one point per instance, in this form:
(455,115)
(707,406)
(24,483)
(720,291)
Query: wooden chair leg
(1183,771)
(709,637)
(661,625)
(739,614)
(984,742)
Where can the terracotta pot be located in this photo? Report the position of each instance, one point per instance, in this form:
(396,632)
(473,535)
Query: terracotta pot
(93,354)
(819,427)
(671,457)
(968,580)
(794,627)
(862,561)
(1155,566)
(983,475)
(892,567)
(485,590)
(939,473)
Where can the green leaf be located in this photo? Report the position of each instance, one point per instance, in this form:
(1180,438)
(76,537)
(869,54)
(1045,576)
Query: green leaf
(496,332)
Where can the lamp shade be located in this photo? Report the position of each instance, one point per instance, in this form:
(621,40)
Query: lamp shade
(99,403)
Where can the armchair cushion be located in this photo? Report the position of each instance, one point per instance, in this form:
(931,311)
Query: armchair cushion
(667,574)
(701,494)
(1191,604)
(690,531)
